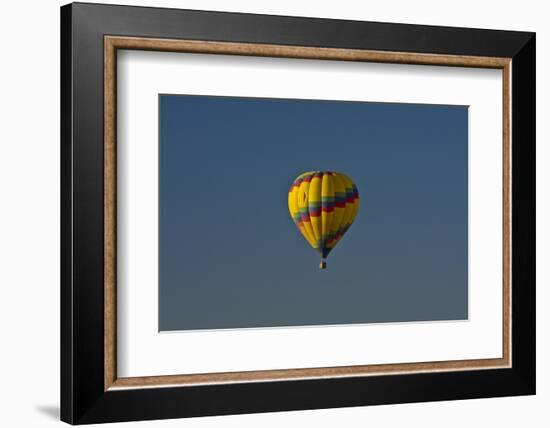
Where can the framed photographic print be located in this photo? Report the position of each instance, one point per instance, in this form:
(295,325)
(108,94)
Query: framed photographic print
(265,213)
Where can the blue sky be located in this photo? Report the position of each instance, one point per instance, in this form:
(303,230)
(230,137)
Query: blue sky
(230,255)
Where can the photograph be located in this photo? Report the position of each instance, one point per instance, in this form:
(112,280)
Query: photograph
(293,212)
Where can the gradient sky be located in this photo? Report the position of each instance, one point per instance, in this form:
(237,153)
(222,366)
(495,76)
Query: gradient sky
(230,255)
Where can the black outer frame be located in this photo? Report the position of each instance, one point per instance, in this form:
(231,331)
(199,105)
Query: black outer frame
(83,399)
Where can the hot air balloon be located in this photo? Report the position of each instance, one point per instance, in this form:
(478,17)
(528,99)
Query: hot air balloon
(323,205)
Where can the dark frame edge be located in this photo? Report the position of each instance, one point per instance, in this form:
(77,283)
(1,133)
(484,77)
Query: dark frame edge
(524,214)
(66,274)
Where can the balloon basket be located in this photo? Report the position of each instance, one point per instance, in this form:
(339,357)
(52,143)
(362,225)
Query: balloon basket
(323,265)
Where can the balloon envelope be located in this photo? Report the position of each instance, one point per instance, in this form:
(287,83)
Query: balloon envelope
(323,205)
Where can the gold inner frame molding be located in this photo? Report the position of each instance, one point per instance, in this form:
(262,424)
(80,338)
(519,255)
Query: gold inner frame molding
(113,43)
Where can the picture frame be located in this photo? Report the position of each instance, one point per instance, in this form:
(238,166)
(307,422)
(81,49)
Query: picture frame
(91,390)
